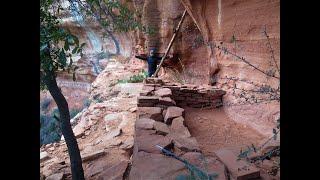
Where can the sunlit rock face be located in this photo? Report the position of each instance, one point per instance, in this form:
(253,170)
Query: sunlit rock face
(237,25)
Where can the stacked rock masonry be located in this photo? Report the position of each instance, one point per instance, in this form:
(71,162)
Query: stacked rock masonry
(161,122)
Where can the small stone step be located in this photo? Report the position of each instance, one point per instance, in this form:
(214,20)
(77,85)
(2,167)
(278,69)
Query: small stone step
(239,169)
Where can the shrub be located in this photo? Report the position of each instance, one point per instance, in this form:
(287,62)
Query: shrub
(135,78)
(45,104)
(86,103)
(74,112)
(49,128)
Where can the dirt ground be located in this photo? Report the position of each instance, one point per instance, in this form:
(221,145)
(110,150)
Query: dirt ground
(214,130)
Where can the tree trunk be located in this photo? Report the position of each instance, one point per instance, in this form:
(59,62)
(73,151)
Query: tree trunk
(73,149)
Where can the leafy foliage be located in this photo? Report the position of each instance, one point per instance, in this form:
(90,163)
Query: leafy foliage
(86,103)
(49,128)
(135,78)
(57,45)
(44,104)
(74,112)
(113,16)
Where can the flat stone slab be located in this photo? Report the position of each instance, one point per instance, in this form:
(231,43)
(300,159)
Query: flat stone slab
(92,156)
(161,128)
(147,143)
(239,169)
(115,172)
(154,113)
(163,92)
(173,112)
(144,123)
(148,99)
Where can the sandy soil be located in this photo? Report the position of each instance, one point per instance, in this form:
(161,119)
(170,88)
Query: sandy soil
(214,130)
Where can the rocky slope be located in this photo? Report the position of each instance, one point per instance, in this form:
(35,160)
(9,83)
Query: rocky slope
(104,130)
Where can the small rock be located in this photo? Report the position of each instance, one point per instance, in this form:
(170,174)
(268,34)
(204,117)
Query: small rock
(92,156)
(144,123)
(44,156)
(161,128)
(173,112)
(58,176)
(163,92)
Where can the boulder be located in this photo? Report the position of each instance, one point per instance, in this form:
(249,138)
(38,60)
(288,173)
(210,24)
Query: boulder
(144,123)
(155,166)
(186,144)
(154,113)
(177,127)
(58,176)
(161,128)
(163,92)
(173,112)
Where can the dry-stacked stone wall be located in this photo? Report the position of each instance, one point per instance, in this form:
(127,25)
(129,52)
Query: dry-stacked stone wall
(161,122)
(155,93)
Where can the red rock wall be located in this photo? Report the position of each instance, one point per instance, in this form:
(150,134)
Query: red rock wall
(237,25)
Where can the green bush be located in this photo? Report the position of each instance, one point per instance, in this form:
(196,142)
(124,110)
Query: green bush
(86,103)
(49,128)
(135,78)
(45,104)
(74,112)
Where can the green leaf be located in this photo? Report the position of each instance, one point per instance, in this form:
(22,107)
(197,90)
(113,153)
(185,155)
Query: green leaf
(66,46)
(75,50)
